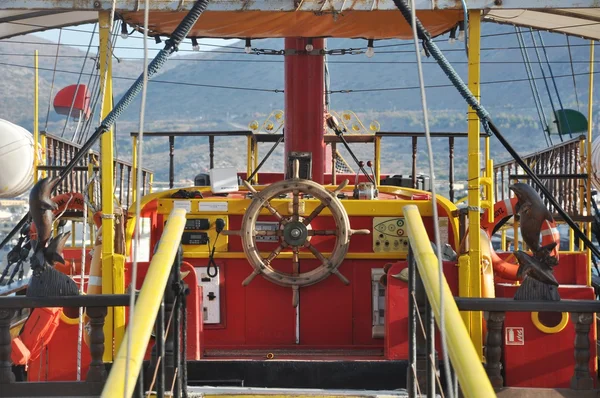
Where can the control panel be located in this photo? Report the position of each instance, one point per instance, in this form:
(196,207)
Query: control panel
(389,235)
(200,235)
(267,226)
(211,300)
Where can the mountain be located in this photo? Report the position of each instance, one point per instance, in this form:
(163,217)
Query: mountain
(226,89)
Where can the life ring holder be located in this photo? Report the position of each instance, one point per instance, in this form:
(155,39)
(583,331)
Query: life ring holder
(503,210)
(68,201)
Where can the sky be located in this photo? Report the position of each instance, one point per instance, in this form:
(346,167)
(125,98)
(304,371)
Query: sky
(73,35)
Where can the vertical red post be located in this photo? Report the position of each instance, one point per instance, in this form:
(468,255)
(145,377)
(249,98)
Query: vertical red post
(304,103)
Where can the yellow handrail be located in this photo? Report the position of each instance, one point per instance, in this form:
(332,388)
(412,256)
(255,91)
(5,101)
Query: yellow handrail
(471,375)
(146,309)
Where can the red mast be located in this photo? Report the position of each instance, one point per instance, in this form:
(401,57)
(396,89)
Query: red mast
(304,103)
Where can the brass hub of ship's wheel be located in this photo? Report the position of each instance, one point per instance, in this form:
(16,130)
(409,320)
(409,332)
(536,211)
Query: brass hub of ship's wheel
(294,232)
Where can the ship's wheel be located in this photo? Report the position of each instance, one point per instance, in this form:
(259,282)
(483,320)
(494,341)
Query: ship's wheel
(295,232)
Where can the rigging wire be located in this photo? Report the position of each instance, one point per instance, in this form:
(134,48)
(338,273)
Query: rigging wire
(572,71)
(436,227)
(77,89)
(554,84)
(545,81)
(539,106)
(53,76)
(188,59)
(345,91)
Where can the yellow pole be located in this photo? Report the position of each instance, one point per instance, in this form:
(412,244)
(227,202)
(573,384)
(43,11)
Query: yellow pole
(249,157)
(146,309)
(36,126)
(589,157)
(255,157)
(474,166)
(106,163)
(377,160)
(465,357)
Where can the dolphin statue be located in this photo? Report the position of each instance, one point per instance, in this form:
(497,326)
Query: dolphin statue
(40,208)
(54,251)
(532,212)
(534,268)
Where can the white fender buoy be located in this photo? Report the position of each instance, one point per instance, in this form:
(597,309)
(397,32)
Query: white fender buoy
(16,160)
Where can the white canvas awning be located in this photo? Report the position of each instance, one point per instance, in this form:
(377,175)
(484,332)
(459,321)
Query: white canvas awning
(580,22)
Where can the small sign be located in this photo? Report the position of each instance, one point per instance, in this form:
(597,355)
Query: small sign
(213,206)
(514,336)
(183,204)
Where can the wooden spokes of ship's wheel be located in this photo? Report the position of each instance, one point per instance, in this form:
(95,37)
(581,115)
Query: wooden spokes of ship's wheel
(295,233)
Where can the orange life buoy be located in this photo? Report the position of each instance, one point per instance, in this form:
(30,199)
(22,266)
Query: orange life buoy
(505,209)
(70,201)
(37,333)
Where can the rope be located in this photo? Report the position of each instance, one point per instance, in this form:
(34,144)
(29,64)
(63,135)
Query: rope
(554,82)
(436,228)
(138,192)
(537,53)
(77,89)
(141,84)
(534,90)
(53,76)
(82,275)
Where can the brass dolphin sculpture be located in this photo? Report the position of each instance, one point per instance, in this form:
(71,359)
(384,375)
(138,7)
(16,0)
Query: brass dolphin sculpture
(532,267)
(532,212)
(54,251)
(40,208)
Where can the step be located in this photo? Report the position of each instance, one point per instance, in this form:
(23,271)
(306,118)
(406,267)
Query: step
(256,392)
(516,392)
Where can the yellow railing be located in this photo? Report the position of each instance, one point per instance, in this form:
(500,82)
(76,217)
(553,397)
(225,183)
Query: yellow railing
(146,309)
(465,360)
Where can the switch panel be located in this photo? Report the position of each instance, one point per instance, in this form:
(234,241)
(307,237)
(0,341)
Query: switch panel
(211,300)
(389,235)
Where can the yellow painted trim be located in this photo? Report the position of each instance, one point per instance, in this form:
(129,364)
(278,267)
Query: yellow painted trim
(36,115)
(146,309)
(67,320)
(248,156)
(473,284)
(377,157)
(465,357)
(535,318)
(302,255)
(589,157)
(373,208)
(107,154)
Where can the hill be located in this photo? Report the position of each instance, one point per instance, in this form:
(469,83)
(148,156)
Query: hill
(226,89)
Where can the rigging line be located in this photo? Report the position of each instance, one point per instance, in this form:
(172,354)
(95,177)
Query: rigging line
(572,71)
(436,227)
(534,90)
(186,59)
(95,90)
(346,91)
(77,89)
(554,83)
(53,76)
(138,193)
(545,81)
(327,84)
(7,41)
